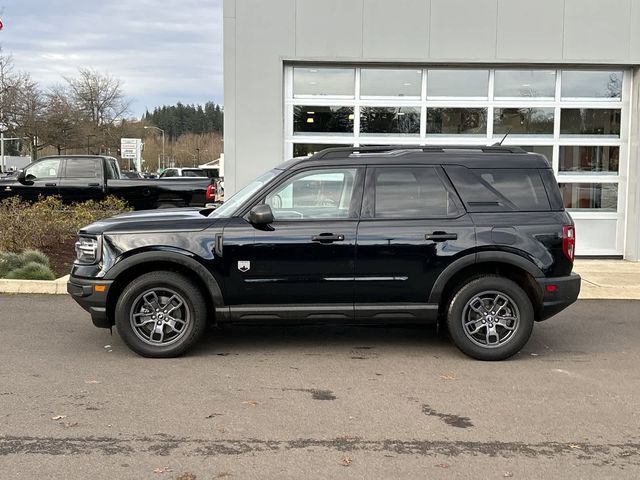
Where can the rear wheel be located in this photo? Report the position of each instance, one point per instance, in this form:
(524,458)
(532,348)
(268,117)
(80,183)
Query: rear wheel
(490,318)
(161,314)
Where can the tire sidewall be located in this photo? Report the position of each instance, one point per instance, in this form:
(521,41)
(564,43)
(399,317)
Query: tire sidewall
(194,303)
(466,293)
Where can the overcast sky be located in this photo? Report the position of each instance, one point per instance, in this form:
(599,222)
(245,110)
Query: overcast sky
(164,51)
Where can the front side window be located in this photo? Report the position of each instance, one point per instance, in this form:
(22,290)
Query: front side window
(315,195)
(411,192)
(43,169)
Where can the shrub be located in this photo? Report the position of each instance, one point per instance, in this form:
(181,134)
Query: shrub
(32,271)
(48,222)
(35,256)
(9,261)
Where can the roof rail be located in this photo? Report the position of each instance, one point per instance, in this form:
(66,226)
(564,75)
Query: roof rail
(335,152)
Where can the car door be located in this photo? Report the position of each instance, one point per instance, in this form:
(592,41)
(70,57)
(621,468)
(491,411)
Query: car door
(82,179)
(413,226)
(301,265)
(41,178)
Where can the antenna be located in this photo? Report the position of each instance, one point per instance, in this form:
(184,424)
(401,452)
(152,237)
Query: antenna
(499,144)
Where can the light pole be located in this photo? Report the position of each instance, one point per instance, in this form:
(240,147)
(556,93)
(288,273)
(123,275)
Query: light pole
(158,128)
(88,137)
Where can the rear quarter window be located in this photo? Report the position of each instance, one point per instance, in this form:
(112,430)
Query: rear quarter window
(500,189)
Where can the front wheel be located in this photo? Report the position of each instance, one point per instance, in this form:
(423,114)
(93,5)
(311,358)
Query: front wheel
(490,318)
(161,314)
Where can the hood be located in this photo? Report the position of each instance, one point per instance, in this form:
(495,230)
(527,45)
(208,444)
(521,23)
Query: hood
(163,220)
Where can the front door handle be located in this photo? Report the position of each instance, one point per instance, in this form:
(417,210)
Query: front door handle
(50,184)
(94,184)
(440,236)
(327,238)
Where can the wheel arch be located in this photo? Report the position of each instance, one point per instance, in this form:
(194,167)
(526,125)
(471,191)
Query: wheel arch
(177,261)
(506,264)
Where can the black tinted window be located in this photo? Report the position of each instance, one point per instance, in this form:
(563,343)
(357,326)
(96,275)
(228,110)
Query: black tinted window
(193,173)
(411,192)
(499,189)
(82,168)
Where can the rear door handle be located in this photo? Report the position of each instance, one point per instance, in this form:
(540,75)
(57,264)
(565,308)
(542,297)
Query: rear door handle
(94,184)
(50,184)
(327,238)
(440,236)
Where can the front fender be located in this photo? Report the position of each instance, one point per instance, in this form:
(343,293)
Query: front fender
(176,256)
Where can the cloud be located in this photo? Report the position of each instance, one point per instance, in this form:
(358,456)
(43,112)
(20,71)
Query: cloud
(163,51)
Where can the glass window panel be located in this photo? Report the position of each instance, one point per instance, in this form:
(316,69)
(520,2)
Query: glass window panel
(494,190)
(591,84)
(49,168)
(390,121)
(323,81)
(590,196)
(466,121)
(546,150)
(457,83)
(317,194)
(309,120)
(376,82)
(525,83)
(590,159)
(305,149)
(523,121)
(409,192)
(82,168)
(590,121)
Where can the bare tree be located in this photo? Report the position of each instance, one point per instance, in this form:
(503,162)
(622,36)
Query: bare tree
(99,97)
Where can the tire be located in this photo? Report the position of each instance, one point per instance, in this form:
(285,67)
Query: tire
(161,314)
(476,329)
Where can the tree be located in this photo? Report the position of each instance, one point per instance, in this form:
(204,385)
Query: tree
(99,97)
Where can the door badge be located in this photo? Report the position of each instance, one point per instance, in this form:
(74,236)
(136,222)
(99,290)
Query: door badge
(244,266)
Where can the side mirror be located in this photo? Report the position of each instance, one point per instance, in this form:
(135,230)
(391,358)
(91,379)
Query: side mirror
(261,215)
(22,177)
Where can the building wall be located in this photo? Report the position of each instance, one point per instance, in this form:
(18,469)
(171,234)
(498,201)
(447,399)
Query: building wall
(260,36)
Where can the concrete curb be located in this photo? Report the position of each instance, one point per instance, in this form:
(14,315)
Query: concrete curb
(51,287)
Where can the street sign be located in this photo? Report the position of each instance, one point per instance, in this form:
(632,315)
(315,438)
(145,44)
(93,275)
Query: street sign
(131,149)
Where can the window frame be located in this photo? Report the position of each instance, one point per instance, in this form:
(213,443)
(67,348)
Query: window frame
(100,169)
(369,196)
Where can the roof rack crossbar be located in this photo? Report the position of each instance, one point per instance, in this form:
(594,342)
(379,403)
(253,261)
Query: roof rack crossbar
(340,151)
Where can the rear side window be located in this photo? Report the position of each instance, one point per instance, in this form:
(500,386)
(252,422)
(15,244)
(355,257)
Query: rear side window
(82,168)
(499,189)
(411,192)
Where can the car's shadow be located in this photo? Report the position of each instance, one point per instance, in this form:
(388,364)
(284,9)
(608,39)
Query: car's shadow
(269,338)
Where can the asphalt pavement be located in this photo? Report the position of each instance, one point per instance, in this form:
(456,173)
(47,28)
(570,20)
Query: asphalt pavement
(318,402)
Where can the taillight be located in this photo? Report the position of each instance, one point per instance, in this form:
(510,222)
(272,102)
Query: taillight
(211,193)
(569,241)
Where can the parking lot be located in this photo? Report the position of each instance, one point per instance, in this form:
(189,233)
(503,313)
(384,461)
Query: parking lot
(318,402)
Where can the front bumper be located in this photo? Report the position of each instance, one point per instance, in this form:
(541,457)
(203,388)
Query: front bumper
(558,294)
(92,296)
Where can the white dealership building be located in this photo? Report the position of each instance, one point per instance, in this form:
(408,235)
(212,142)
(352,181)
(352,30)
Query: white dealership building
(561,75)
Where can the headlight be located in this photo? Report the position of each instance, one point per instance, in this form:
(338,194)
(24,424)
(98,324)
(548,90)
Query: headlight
(87,250)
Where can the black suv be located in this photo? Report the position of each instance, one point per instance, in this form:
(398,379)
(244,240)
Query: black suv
(475,237)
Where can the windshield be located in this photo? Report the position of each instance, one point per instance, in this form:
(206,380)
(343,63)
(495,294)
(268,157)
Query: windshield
(231,205)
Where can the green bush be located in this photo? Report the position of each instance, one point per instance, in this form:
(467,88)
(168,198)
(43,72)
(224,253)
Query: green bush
(9,261)
(48,222)
(32,271)
(35,256)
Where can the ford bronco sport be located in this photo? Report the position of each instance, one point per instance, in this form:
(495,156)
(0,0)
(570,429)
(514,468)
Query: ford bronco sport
(477,238)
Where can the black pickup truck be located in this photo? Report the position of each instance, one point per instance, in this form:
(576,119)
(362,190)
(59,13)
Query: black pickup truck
(77,178)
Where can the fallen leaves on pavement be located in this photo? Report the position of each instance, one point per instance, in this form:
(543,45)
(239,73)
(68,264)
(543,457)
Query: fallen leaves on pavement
(346,461)
(253,403)
(162,470)
(58,417)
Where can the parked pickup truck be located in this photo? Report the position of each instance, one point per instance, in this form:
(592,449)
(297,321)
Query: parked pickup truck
(77,178)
